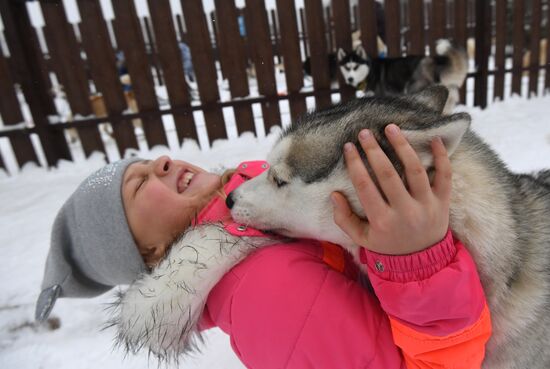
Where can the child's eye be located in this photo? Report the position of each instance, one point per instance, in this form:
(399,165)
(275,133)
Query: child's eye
(141,182)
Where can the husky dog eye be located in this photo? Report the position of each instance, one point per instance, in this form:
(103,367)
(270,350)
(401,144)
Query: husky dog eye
(356,67)
(346,68)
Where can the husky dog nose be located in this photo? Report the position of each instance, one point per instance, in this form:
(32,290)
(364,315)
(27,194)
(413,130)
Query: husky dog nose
(229,201)
(350,80)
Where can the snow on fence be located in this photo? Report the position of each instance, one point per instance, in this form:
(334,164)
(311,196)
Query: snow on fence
(243,46)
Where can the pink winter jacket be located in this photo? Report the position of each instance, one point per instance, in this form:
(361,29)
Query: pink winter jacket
(300,305)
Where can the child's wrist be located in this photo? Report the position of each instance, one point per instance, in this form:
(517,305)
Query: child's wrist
(410,267)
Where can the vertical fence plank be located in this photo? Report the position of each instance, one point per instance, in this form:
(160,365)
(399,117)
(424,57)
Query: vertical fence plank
(416,30)
(305,40)
(101,60)
(232,54)
(181,33)
(205,69)
(11,114)
(65,54)
(438,23)
(276,35)
(329,29)
(355,25)
(500,35)
(536,10)
(262,56)
(152,50)
(290,49)
(215,41)
(342,30)
(130,40)
(461,35)
(483,45)
(393,28)
(368,26)
(25,50)
(171,61)
(318,52)
(518,42)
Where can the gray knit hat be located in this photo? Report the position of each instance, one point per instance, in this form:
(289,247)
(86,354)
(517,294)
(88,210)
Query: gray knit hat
(92,248)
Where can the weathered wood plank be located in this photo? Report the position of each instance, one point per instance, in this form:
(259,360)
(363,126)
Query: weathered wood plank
(262,56)
(130,41)
(102,62)
(318,52)
(290,50)
(24,48)
(500,35)
(232,53)
(171,61)
(342,30)
(534,66)
(483,45)
(368,26)
(416,30)
(11,114)
(205,70)
(393,28)
(518,42)
(65,54)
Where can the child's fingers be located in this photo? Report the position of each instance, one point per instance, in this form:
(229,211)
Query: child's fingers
(417,178)
(443,171)
(346,219)
(387,176)
(367,192)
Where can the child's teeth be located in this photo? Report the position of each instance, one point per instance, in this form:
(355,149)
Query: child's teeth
(187,178)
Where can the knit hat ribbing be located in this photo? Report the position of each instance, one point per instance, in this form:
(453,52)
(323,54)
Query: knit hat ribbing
(92,248)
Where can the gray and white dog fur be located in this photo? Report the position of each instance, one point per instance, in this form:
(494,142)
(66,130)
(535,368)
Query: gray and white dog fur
(503,218)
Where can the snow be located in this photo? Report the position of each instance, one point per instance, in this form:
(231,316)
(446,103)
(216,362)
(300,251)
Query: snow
(518,129)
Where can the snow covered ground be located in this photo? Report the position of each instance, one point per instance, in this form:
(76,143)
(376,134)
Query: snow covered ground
(518,129)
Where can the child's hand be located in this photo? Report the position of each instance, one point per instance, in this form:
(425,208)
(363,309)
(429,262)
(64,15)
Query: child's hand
(408,221)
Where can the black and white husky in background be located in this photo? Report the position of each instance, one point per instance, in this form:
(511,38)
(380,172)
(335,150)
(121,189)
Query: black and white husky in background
(410,74)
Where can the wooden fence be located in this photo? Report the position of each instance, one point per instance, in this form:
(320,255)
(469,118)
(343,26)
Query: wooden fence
(510,39)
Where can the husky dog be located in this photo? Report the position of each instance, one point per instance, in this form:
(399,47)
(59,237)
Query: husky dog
(397,76)
(501,217)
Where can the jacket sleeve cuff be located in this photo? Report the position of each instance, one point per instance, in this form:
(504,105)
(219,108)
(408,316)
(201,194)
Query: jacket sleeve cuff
(413,267)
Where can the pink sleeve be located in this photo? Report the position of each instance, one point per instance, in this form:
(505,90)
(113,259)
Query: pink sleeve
(436,305)
(284,308)
(436,291)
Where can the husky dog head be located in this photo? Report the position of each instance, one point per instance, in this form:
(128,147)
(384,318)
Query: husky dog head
(354,66)
(307,165)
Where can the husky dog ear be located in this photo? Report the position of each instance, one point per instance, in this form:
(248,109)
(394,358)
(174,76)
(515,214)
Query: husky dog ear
(433,97)
(451,130)
(360,51)
(341,54)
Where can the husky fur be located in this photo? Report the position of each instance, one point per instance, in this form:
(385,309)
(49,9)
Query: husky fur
(410,74)
(501,217)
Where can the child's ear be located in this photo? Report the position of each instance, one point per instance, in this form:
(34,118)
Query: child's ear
(451,130)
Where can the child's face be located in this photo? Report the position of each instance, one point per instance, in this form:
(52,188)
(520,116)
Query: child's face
(161,198)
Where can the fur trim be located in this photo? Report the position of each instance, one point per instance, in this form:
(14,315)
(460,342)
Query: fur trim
(160,311)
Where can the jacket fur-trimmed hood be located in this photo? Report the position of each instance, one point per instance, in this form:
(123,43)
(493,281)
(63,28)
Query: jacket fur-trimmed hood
(160,311)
